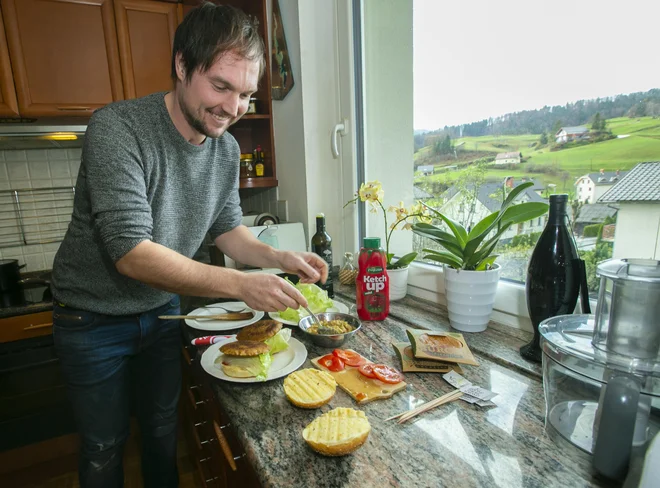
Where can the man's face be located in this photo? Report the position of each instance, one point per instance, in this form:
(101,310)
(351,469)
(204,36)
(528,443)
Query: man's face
(216,99)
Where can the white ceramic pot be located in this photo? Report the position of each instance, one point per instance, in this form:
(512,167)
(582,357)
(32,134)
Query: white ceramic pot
(398,279)
(470,297)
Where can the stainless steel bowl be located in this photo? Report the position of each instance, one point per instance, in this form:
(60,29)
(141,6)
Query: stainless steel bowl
(327,340)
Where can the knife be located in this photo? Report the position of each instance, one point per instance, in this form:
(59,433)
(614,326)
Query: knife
(222,316)
(208,340)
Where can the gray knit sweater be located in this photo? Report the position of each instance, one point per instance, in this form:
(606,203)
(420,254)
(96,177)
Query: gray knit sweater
(139,180)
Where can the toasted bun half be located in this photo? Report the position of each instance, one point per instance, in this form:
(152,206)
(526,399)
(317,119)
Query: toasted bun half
(337,432)
(244,348)
(260,331)
(309,388)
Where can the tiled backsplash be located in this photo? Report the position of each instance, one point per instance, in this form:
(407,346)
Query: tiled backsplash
(45,168)
(37,168)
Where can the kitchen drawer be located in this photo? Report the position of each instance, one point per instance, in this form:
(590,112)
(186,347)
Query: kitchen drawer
(26,326)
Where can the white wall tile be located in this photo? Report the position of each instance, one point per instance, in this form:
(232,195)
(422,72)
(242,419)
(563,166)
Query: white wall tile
(49,257)
(57,154)
(3,170)
(35,262)
(17,170)
(39,170)
(60,169)
(75,153)
(74,167)
(15,155)
(36,154)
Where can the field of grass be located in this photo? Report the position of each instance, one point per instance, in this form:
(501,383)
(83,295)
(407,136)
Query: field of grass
(642,144)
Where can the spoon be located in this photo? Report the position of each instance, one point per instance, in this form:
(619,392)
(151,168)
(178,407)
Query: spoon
(320,327)
(316,319)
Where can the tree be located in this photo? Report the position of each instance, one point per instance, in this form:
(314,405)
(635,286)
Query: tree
(543,140)
(556,126)
(444,146)
(596,122)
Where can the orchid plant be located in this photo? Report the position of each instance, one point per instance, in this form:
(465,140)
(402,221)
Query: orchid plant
(372,193)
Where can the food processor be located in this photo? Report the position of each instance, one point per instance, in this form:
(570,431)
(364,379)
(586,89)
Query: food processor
(601,373)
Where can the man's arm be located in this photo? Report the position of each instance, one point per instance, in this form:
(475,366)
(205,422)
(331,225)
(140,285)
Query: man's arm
(163,268)
(241,245)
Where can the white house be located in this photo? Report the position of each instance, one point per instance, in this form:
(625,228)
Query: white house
(589,188)
(637,233)
(508,158)
(463,207)
(426,170)
(568,134)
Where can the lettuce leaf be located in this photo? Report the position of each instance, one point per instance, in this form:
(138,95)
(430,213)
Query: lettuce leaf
(317,300)
(264,359)
(280,341)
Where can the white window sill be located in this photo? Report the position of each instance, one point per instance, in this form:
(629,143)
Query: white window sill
(427,281)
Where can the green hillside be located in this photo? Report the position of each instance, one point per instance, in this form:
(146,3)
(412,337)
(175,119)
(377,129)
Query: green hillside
(638,140)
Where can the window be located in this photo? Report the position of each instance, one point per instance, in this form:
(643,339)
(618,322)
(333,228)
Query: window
(479,79)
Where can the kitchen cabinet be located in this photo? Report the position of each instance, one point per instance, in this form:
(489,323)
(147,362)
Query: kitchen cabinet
(8,103)
(145,31)
(64,55)
(214,448)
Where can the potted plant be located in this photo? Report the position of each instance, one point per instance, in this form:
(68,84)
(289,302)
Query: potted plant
(470,272)
(372,193)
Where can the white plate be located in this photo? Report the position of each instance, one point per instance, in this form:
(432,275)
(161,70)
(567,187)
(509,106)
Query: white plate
(336,307)
(284,362)
(218,325)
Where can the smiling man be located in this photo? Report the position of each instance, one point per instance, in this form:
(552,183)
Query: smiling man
(158,173)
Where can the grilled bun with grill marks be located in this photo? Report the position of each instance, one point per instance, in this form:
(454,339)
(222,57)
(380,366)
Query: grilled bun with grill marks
(337,432)
(309,388)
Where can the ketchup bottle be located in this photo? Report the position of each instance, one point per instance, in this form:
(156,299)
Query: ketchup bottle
(371,284)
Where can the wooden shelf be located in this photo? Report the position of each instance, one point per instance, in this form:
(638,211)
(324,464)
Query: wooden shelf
(260,182)
(255,116)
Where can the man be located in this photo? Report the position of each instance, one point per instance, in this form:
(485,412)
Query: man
(157,174)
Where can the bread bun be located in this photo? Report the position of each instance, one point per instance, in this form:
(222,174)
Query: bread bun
(309,388)
(260,331)
(337,432)
(244,348)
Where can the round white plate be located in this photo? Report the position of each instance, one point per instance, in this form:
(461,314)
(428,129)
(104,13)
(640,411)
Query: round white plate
(336,307)
(284,362)
(218,325)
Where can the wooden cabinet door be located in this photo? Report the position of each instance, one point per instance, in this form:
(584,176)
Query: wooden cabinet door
(146,35)
(63,54)
(8,103)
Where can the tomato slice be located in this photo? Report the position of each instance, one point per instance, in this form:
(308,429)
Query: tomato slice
(332,362)
(386,374)
(350,358)
(367,369)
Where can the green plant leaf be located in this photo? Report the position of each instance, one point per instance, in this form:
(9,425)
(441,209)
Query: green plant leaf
(434,231)
(479,233)
(457,229)
(486,248)
(484,264)
(443,238)
(445,258)
(513,194)
(524,212)
(403,261)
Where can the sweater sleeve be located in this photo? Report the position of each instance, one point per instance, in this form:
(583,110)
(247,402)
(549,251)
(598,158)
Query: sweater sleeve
(116,180)
(231,214)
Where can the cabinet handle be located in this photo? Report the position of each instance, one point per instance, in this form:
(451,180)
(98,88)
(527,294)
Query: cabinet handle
(225,446)
(191,396)
(74,109)
(40,326)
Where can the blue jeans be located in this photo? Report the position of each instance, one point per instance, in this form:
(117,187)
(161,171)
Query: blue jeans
(106,358)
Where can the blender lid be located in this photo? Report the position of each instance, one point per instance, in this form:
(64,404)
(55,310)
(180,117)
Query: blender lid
(647,270)
(567,339)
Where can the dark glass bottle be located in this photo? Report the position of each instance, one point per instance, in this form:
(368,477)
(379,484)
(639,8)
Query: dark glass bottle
(554,274)
(322,245)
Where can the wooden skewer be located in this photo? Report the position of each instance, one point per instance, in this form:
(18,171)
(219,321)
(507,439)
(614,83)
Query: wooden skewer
(222,316)
(446,398)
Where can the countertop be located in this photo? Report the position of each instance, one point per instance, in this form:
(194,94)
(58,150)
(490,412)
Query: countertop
(456,445)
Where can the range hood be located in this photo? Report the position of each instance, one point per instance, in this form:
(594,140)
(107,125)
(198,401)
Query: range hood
(41,136)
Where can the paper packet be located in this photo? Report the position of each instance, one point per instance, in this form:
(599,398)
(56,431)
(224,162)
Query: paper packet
(440,346)
(411,364)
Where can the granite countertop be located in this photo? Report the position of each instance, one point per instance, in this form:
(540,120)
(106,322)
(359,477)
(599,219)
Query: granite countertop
(457,444)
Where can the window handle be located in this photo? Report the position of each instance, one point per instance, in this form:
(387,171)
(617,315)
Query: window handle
(341,129)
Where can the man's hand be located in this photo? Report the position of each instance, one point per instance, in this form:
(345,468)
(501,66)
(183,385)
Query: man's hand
(269,292)
(309,266)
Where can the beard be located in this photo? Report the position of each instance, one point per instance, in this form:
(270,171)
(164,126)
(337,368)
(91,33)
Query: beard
(196,123)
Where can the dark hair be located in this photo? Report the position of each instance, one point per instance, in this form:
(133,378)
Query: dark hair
(209,31)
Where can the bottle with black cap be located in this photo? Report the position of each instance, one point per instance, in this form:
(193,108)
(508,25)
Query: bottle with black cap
(554,276)
(322,245)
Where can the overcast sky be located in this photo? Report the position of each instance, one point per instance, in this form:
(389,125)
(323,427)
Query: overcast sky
(476,59)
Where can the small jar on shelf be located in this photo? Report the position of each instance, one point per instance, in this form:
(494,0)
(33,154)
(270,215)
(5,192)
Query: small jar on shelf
(247,166)
(348,271)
